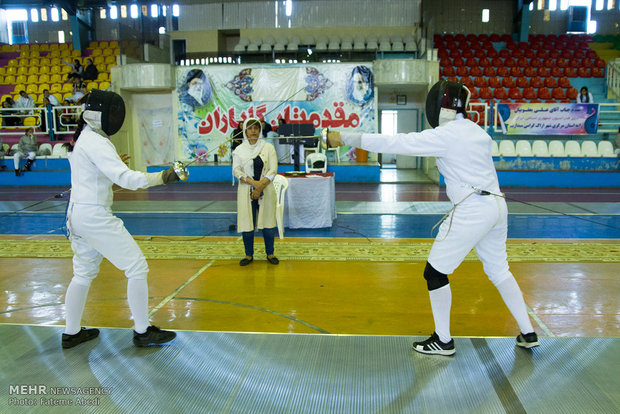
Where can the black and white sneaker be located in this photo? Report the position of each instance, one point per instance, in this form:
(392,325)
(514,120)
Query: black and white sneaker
(433,345)
(152,336)
(529,340)
(69,341)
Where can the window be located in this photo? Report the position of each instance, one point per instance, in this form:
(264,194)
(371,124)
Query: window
(592,26)
(113,12)
(54,14)
(133,11)
(599,4)
(389,122)
(154,10)
(531,6)
(61,36)
(563,4)
(43,15)
(175,10)
(64,14)
(485,15)
(540,5)
(610,4)
(288,7)
(102,14)
(162,30)
(123,11)
(553,5)
(34,15)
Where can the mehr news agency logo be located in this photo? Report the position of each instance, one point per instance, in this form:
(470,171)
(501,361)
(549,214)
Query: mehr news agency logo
(43,395)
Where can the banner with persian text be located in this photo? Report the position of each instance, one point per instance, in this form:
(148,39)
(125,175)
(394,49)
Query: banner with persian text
(214,100)
(548,118)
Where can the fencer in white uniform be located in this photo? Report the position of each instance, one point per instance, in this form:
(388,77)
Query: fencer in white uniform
(94,231)
(478,219)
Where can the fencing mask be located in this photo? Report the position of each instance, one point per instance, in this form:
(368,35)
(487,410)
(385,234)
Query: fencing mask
(444,100)
(105,111)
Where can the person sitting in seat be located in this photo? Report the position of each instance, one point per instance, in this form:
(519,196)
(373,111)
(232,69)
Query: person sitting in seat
(27,149)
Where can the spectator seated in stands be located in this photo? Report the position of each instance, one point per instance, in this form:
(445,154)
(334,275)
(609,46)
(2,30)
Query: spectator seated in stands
(7,119)
(2,167)
(53,100)
(79,91)
(24,101)
(90,71)
(585,96)
(27,148)
(76,69)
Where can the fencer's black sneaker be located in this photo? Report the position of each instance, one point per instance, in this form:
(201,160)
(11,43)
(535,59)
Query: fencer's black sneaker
(69,341)
(153,336)
(529,340)
(434,346)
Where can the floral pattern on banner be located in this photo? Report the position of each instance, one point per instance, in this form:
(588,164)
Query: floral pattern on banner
(317,83)
(241,85)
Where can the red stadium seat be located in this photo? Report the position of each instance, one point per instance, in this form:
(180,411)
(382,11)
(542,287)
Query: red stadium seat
(479,53)
(584,72)
(522,62)
(445,62)
(467,81)
(475,71)
(474,93)
(572,93)
(454,52)
(506,38)
(544,93)
(514,93)
(471,37)
(491,53)
(458,62)
(557,72)
(558,94)
(554,54)
(462,71)
(579,54)
(452,79)
(549,62)
(516,72)
(494,82)
(503,71)
(574,63)
(551,83)
(587,63)
(442,54)
(459,37)
(471,62)
(480,82)
(517,54)
(522,82)
(561,62)
(536,63)
(497,62)
(494,38)
(508,82)
(598,73)
(543,72)
(536,82)
(500,93)
(447,71)
(510,62)
(467,53)
(529,93)
(529,71)
(489,71)
(542,53)
(599,63)
(485,93)
(564,82)
(567,54)
(504,53)
(484,62)
(529,53)
(591,54)
(483,37)
(571,72)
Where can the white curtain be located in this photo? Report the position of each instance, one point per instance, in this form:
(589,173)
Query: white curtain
(154,115)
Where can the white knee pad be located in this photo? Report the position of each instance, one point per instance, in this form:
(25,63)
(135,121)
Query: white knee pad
(82,280)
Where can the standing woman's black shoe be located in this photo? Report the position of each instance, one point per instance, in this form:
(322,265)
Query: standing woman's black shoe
(272,259)
(246,261)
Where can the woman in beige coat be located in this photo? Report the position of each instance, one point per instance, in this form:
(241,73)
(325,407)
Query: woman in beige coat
(255,164)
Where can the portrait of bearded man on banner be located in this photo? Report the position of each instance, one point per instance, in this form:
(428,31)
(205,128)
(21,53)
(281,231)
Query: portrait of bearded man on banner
(360,85)
(196,90)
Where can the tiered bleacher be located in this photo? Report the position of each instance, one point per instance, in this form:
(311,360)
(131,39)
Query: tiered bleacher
(37,67)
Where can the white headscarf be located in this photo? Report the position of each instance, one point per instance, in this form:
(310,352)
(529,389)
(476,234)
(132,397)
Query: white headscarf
(244,154)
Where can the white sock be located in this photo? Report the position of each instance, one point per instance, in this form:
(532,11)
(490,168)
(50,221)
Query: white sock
(513,298)
(441,302)
(138,298)
(75,299)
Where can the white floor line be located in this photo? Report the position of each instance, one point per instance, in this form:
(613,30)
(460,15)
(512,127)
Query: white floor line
(173,294)
(540,323)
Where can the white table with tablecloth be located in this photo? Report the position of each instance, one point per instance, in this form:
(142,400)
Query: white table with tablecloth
(310,201)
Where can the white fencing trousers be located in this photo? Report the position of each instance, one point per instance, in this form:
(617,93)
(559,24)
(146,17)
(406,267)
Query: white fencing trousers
(19,155)
(96,233)
(479,222)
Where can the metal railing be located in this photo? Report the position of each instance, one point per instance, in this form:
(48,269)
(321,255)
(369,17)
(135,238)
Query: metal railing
(63,120)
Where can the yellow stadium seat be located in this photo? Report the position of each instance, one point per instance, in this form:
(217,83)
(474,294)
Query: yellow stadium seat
(103,77)
(44,47)
(67,95)
(30,121)
(45,78)
(76,54)
(31,89)
(23,62)
(9,80)
(55,61)
(67,87)
(13,62)
(2,71)
(107,52)
(96,52)
(6,96)
(113,44)
(103,45)
(55,70)
(34,47)
(18,88)
(34,54)
(54,53)
(42,87)
(22,70)
(93,45)
(65,53)
(92,85)
(56,87)
(21,79)
(110,60)
(64,46)
(23,47)
(101,67)
(58,96)
(16,97)
(23,55)
(98,59)
(54,46)
(5,48)
(56,78)
(38,99)
(65,69)
(34,66)
(45,62)
(104,85)
(33,79)
(11,70)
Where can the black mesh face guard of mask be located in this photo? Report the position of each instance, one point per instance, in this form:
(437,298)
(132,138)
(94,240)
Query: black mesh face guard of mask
(112,108)
(445,95)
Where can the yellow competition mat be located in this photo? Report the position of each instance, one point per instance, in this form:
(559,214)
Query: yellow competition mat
(328,250)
